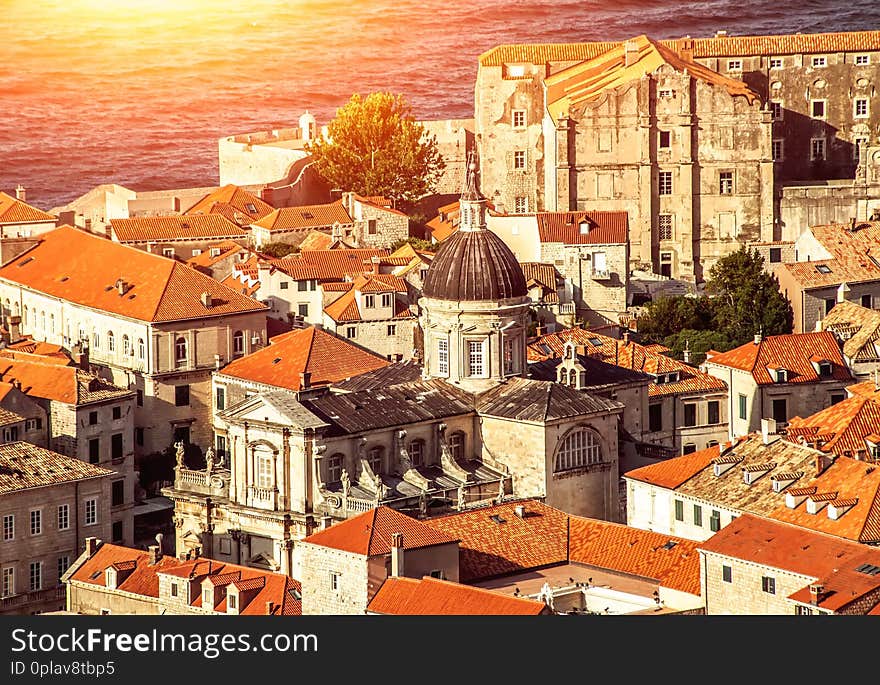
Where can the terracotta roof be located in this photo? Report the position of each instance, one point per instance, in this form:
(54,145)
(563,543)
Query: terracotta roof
(231,200)
(672,561)
(84,269)
(830,560)
(170,228)
(671,473)
(841,428)
(345,308)
(304,217)
(433,597)
(858,328)
(721,46)
(629,355)
(792,351)
(606,228)
(370,533)
(326,265)
(507,544)
(586,81)
(319,240)
(281,590)
(15,211)
(9,417)
(379,202)
(38,348)
(23,466)
(67,384)
(854,256)
(544,276)
(206,259)
(326,357)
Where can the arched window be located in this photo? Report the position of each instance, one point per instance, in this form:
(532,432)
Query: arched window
(142,349)
(457,444)
(374,458)
(334,468)
(180,350)
(126,346)
(580,448)
(96,339)
(43,320)
(265,470)
(82,335)
(51,323)
(8,307)
(238,342)
(417,452)
(16,308)
(24,319)
(111,341)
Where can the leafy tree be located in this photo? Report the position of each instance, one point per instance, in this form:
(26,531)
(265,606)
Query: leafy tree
(278,250)
(747,299)
(698,342)
(417,243)
(375,147)
(667,316)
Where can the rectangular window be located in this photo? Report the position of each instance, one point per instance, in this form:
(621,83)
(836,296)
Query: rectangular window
(117,492)
(519,159)
(817,109)
(776,111)
(665,93)
(91,511)
(351,332)
(743,407)
(334,580)
(664,140)
(665,183)
(605,140)
(520,204)
(475,357)
(775,255)
(63,565)
(780,410)
(776,63)
(372,226)
(508,356)
(116,447)
(865,301)
(519,118)
(664,226)
(860,108)
(698,515)
(168,252)
(386,300)
(139,435)
(302,286)
(727,574)
(862,60)
(688,448)
(391,330)
(36,576)
(715,521)
(9,527)
(93,418)
(778,149)
(725,183)
(140,397)
(655,417)
(443,357)
(734,65)
(181,395)
(36,521)
(768,584)
(8,588)
(174,589)
(284,285)
(116,531)
(829,303)
(690,415)
(303,310)
(220,398)
(117,413)
(63,516)
(801,610)
(679,510)
(820,61)
(369,301)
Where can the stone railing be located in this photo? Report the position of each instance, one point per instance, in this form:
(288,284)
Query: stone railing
(215,483)
(358,506)
(566,308)
(262,498)
(47,595)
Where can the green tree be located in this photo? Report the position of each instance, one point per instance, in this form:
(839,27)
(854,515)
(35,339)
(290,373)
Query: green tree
(667,316)
(374,146)
(747,299)
(278,250)
(417,244)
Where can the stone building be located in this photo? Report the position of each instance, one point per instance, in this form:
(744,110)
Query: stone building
(376,222)
(23,418)
(812,117)
(452,438)
(235,203)
(49,504)
(292,224)
(151,325)
(858,329)
(177,237)
(109,580)
(18,219)
(219,259)
(779,377)
(802,573)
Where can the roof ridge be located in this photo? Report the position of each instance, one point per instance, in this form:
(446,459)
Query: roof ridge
(161,297)
(311,346)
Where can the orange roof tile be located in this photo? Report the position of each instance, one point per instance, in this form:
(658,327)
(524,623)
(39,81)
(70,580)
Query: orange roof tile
(564,227)
(13,211)
(792,351)
(841,428)
(379,202)
(854,256)
(671,473)
(206,259)
(304,217)
(230,200)
(370,533)
(344,309)
(170,228)
(672,561)
(858,327)
(83,268)
(24,466)
(628,355)
(326,265)
(491,547)
(40,377)
(326,357)
(433,597)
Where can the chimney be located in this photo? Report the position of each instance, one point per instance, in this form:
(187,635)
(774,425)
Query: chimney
(374,261)
(758,338)
(16,384)
(206,299)
(816,590)
(538,330)
(82,356)
(768,430)
(20,193)
(153,555)
(217,361)
(625,338)
(396,555)
(631,51)
(686,352)
(305,380)
(687,49)
(823,461)
(121,286)
(520,511)
(14,326)
(270,607)
(92,546)
(326,522)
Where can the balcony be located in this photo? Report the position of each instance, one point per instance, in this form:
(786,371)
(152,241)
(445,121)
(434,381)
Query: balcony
(53,594)
(215,484)
(262,498)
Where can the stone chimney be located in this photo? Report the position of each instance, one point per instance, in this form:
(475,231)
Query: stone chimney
(206,299)
(121,286)
(758,338)
(270,607)
(686,352)
(520,511)
(81,356)
(374,264)
(816,590)
(768,430)
(153,555)
(631,52)
(92,545)
(625,338)
(14,328)
(305,380)
(20,193)
(823,461)
(396,555)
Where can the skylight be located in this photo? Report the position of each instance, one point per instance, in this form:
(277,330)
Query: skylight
(869,569)
(823,268)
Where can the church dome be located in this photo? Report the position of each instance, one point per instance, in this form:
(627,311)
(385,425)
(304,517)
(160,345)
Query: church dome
(474,266)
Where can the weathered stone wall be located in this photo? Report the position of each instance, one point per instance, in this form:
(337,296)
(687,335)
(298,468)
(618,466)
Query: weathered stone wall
(319,597)
(94,600)
(391,338)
